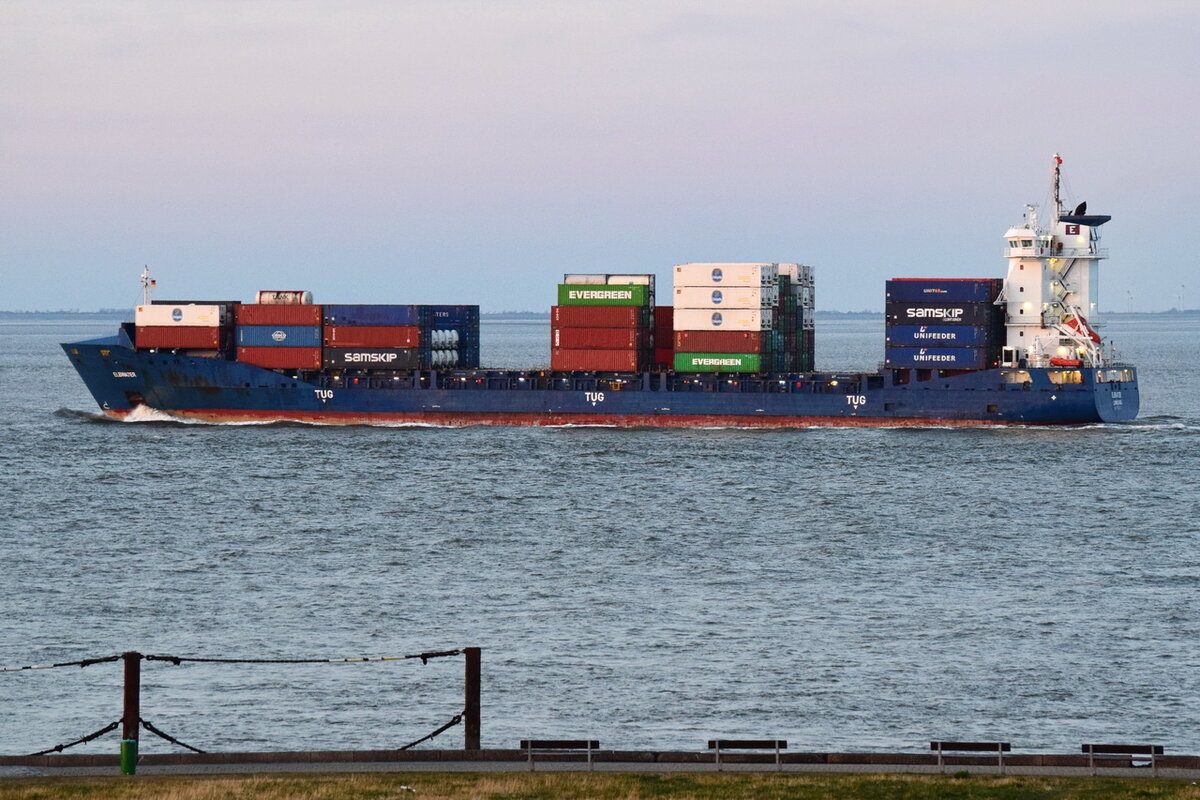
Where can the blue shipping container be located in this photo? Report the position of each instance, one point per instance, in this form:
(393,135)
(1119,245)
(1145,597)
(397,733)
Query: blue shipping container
(934,290)
(467,348)
(373,315)
(938,357)
(940,335)
(975,314)
(468,330)
(278,336)
(449,316)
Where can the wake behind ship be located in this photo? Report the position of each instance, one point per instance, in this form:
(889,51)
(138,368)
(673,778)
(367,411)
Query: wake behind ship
(735,348)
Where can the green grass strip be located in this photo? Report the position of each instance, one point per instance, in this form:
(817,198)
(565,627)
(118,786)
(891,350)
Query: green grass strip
(594,786)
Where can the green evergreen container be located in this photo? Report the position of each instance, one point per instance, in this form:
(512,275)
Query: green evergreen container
(718,362)
(578,294)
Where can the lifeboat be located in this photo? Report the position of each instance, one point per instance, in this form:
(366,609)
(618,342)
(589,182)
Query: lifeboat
(1079,325)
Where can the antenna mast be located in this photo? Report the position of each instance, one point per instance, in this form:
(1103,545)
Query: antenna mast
(147,285)
(1057,199)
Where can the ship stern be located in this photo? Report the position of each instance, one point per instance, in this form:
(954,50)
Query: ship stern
(1116,392)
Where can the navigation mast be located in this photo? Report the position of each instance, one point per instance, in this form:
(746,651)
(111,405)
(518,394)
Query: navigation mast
(147,284)
(1057,196)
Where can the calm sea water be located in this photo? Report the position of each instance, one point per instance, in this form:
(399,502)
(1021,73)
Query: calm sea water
(842,589)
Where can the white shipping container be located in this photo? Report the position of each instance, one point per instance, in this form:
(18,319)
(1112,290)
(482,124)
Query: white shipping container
(726,296)
(801,274)
(602,278)
(287,297)
(726,274)
(632,280)
(191,315)
(804,296)
(729,319)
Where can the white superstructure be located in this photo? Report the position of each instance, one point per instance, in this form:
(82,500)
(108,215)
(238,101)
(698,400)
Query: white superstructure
(1052,287)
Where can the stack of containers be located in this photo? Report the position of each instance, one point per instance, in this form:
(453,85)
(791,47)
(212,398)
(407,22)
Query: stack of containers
(786,324)
(798,330)
(372,336)
(724,317)
(664,337)
(944,323)
(602,323)
(449,336)
(401,336)
(279,336)
(181,326)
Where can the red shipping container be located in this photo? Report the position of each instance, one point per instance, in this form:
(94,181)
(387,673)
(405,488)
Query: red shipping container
(388,336)
(600,338)
(718,341)
(173,337)
(281,357)
(599,316)
(264,314)
(565,360)
(664,357)
(664,327)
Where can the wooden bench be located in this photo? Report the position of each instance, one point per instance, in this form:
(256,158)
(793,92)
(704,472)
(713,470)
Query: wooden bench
(1122,751)
(559,747)
(999,748)
(717,745)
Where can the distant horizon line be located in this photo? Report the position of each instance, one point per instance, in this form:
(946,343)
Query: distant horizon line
(545,315)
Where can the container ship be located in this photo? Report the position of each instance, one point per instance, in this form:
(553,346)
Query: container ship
(734,347)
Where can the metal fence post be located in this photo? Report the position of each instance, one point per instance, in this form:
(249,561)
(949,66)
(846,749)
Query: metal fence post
(131,715)
(471,680)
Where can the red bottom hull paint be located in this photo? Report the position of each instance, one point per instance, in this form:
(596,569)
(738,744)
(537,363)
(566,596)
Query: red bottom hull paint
(463,419)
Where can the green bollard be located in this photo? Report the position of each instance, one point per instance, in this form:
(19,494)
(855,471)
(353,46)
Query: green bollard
(129,756)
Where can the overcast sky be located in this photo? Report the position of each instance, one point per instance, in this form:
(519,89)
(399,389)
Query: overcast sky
(472,152)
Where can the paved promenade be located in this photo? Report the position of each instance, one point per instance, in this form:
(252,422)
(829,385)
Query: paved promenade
(1167,766)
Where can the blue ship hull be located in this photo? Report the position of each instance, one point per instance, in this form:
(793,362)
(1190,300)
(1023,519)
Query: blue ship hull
(121,379)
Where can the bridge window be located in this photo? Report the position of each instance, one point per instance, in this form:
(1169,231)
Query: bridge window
(1064,376)
(1113,375)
